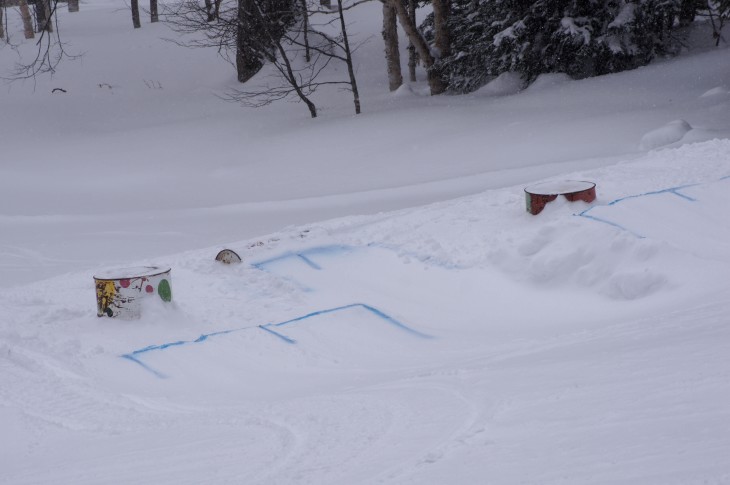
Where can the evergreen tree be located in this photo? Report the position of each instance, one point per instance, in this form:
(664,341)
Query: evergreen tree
(581,38)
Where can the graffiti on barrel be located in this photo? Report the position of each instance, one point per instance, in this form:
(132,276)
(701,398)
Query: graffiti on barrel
(119,291)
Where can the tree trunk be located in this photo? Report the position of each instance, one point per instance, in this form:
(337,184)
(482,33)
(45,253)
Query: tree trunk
(73,5)
(2,25)
(392,54)
(348,57)
(154,17)
(43,15)
(687,11)
(135,14)
(247,62)
(305,27)
(27,22)
(209,10)
(435,83)
(217,9)
(412,54)
(442,41)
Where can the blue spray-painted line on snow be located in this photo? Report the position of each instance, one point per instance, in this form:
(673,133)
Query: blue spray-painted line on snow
(144,366)
(378,313)
(309,262)
(610,223)
(304,255)
(277,334)
(671,190)
(133,356)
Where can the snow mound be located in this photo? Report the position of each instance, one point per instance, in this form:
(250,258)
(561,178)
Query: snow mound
(670,133)
(404,91)
(547,81)
(717,91)
(503,85)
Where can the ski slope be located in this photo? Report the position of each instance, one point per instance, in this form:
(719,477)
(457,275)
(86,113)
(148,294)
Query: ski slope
(398,317)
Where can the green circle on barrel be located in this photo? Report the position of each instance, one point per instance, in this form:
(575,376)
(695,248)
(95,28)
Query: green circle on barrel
(164,290)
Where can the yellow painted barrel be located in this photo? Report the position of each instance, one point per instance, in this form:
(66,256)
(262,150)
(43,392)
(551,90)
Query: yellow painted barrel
(119,292)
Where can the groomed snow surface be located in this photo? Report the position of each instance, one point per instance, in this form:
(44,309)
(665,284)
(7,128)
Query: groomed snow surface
(464,341)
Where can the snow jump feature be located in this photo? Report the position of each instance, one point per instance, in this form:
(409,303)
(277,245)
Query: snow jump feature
(304,256)
(671,190)
(271,328)
(689,217)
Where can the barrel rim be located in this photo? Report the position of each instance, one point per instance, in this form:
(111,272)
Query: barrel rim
(590,185)
(161,271)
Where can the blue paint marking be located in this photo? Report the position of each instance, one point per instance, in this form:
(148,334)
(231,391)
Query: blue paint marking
(282,337)
(610,223)
(144,366)
(133,356)
(309,262)
(378,313)
(671,190)
(687,197)
(305,256)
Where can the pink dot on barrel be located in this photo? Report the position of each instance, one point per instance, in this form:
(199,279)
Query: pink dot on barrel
(149,289)
(124,283)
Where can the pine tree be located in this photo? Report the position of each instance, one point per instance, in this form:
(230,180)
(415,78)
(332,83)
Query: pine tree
(581,38)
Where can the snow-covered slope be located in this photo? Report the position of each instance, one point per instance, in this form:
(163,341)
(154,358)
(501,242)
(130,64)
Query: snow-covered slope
(139,154)
(463,341)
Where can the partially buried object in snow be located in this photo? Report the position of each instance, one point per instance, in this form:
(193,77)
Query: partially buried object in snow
(538,195)
(228,256)
(119,291)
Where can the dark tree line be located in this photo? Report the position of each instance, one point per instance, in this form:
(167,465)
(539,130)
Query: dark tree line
(461,44)
(581,38)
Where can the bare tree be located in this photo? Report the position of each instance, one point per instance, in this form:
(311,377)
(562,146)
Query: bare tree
(718,11)
(348,58)
(50,51)
(436,83)
(392,53)
(281,33)
(2,21)
(293,74)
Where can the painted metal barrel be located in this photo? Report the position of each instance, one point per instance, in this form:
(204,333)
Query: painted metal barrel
(539,195)
(119,291)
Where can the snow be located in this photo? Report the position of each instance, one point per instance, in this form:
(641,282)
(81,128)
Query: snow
(133,272)
(670,133)
(559,187)
(503,85)
(398,316)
